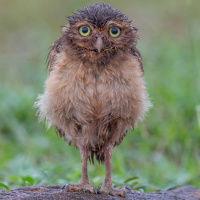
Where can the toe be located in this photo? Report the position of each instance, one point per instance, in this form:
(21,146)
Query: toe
(99,190)
(80,187)
(111,191)
(95,190)
(90,188)
(70,187)
(65,187)
(119,192)
(127,188)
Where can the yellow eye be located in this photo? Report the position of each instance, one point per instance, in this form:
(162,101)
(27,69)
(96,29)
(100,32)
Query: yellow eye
(114,32)
(84,31)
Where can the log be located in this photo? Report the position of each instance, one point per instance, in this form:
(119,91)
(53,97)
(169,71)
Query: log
(57,193)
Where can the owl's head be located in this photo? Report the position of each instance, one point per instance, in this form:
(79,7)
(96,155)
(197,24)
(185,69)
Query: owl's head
(98,32)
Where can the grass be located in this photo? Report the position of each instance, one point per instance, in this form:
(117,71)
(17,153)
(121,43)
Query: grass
(161,153)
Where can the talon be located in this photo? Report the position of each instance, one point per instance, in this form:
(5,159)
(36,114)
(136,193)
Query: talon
(95,190)
(128,188)
(99,189)
(65,187)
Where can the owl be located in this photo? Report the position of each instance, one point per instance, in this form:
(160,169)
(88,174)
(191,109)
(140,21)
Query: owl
(95,91)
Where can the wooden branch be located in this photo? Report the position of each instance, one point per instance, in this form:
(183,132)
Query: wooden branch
(56,193)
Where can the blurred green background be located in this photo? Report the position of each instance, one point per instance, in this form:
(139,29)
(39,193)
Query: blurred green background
(163,151)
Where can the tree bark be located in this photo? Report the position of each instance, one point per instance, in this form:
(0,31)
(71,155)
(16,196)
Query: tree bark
(57,193)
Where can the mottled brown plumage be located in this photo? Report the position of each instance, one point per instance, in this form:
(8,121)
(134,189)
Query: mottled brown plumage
(95,91)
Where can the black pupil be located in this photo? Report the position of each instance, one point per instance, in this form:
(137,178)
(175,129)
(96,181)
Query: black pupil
(85,29)
(114,31)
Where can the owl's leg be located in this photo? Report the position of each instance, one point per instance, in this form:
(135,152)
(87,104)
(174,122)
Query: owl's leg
(107,186)
(84,184)
(84,158)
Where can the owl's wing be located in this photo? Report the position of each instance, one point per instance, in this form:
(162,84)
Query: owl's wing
(55,49)
(138,56)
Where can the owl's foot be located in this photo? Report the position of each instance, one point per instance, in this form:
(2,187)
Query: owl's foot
(80,187)
(121,191)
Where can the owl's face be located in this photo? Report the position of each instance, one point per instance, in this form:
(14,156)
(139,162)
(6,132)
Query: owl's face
(98,32)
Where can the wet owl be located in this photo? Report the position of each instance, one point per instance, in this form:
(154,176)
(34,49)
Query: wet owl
(95,91)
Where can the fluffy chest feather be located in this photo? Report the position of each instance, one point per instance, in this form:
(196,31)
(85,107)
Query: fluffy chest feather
(92,105)
(87,93)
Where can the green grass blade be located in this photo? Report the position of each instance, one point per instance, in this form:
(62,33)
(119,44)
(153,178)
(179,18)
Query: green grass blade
(130,179)
(2,185)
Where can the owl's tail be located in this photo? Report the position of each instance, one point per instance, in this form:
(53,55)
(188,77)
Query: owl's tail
(99,155)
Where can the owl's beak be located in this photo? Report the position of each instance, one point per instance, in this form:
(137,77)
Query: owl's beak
(99,43)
